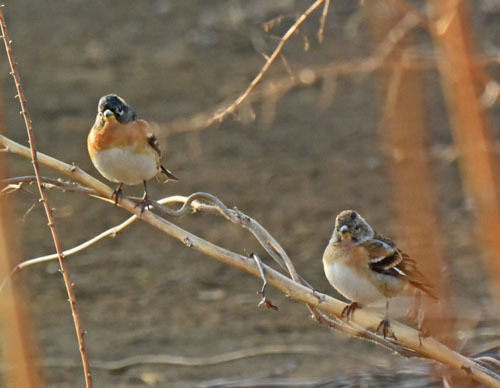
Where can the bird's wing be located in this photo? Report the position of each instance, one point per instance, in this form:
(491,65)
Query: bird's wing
(386,258)
(154,143)
(147,133)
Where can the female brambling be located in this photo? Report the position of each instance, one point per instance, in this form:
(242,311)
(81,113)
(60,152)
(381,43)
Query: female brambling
(366,267)
(123,148)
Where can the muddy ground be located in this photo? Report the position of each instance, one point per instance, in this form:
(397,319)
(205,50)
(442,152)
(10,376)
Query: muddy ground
(145,293)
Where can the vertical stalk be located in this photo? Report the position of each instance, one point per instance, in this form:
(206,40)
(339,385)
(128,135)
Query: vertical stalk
(43,198)
(470,125)
(404,136)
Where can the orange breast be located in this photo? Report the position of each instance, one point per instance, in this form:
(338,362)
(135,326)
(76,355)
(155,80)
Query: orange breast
(115,134)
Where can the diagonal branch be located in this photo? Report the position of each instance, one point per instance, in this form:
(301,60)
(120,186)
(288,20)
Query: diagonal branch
(407,337)
(46,204)
(192,203)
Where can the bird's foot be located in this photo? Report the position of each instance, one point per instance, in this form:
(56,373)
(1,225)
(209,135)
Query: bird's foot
(144,203)
(348,310)
(385,328)
(117,194)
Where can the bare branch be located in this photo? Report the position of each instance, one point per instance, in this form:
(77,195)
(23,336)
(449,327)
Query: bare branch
(195,203)
(218,117)
(313,74)
(48,210)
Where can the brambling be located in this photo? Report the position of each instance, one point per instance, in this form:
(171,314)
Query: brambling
(123,148)
(366,267)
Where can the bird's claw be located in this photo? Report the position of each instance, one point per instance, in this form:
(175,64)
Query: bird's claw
(385,327)
(348,310)
(117,194)
(144,204)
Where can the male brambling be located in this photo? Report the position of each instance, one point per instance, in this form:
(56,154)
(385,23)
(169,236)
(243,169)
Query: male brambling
(123,147)
(366,267)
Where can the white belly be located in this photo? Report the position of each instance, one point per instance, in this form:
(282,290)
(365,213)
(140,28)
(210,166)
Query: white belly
(347,282)
(122,165)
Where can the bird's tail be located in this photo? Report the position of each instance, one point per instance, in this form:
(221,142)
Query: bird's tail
(164,175)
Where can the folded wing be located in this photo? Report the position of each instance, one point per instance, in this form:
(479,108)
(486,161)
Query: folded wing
(386,258)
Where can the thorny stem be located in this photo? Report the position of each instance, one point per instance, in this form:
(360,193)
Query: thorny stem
(46,204)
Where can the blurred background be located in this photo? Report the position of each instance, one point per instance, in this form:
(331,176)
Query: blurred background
(362,120)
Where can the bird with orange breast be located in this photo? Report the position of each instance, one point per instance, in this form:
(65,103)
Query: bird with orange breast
(124,149)
(366,267)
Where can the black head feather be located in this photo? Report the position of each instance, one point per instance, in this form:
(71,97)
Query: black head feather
(123,112)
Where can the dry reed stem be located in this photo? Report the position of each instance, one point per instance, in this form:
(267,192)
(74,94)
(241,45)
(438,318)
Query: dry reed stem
(43,198)
(218,117)
(407,337)
(404,134)
(470,126)
(16,331)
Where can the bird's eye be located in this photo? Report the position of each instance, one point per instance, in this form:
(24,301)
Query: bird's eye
(356,227)
(119,111)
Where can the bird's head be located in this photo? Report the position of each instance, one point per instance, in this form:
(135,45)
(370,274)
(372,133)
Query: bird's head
(112,107)
(351,227)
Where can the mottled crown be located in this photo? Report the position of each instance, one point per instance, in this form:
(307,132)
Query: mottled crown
(350,223)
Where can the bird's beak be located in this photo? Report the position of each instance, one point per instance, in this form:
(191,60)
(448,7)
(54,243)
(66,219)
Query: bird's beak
(344,230)
(109,115)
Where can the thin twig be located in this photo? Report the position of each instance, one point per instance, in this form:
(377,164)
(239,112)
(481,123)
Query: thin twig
(218,117)
(169,359)
(46,204)
(264,301)
(322,22)
(14,184)
(404,7)
(111,232)
(407,337)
